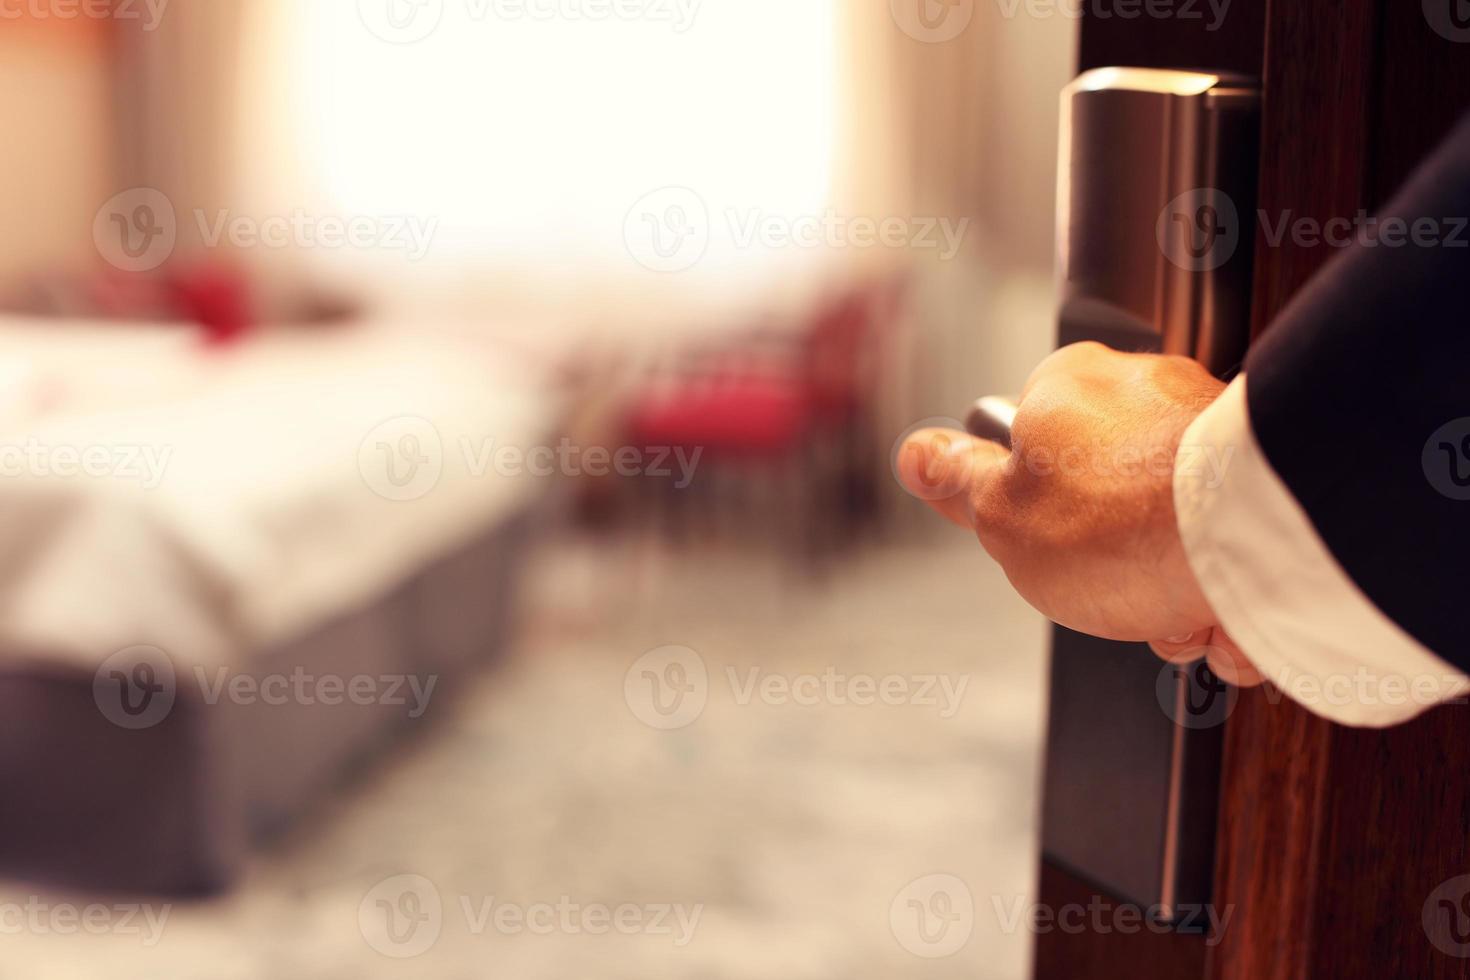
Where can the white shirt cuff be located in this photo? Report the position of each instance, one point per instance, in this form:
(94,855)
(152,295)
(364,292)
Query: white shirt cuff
(1279,592)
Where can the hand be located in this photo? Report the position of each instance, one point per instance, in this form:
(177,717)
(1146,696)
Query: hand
(1080,513)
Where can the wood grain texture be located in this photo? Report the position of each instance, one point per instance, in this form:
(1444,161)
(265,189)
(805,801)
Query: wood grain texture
(1108,954)
(1272,804)
(1332,839)
(1423,89)
(1192,37)
(1315,125)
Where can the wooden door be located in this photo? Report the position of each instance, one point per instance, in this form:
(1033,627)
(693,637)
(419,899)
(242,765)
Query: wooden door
(1330,841)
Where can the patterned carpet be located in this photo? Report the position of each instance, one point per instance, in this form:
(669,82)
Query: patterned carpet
(848,792)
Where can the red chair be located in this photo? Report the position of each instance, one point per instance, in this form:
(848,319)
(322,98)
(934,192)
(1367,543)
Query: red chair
(792,405)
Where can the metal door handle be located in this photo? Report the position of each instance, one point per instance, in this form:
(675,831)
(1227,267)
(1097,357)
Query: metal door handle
(992,418)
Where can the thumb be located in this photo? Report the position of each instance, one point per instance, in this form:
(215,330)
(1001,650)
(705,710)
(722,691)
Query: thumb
(943,467)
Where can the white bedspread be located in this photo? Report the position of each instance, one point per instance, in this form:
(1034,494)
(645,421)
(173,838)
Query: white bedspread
(210,502)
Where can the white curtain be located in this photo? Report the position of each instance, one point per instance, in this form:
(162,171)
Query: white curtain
(526,141)
(965,127)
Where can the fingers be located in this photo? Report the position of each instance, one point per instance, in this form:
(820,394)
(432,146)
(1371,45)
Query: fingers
(944,468)
(1225,658)
(1230,664)
(1181,649)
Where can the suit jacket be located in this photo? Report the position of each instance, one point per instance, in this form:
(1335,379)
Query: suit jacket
(1359,395)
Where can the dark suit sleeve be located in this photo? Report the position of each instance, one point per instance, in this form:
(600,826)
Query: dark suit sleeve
(1359,396)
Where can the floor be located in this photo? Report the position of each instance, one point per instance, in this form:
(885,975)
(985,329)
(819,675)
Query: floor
(847,792)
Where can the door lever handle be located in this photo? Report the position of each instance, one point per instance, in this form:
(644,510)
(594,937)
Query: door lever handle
(991,418)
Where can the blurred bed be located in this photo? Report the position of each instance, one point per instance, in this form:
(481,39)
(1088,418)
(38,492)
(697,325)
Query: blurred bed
(232,574)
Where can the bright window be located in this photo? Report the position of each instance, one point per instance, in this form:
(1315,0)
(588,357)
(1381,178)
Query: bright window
(529,130)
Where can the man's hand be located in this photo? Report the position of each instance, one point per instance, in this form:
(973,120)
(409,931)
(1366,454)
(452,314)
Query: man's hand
(1080,513)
